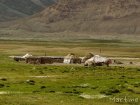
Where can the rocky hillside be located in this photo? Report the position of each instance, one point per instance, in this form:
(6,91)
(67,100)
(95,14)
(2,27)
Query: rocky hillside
(89,16)
(14,9)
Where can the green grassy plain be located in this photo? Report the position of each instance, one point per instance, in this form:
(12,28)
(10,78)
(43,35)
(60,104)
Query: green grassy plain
(24,84)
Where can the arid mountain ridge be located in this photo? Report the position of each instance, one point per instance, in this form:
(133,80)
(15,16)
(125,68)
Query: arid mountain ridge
(93,16)
(88,17)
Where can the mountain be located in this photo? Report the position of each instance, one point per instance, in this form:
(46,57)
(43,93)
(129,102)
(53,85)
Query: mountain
(71,19)
(14,9)
(92,16)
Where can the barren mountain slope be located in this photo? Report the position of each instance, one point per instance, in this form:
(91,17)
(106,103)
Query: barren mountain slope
(7,13)
(92,16)
(14,9)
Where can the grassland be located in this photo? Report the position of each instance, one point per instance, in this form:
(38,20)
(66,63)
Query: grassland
(26,84)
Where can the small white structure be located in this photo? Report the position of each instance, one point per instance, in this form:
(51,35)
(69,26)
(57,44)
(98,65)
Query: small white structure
(86,57)
(72,58)
(26,55)
(21,58)
(67,61)
(69,58)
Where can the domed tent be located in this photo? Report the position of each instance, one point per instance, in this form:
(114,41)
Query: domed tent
(87,56)
(26,55)
(98,60)
(71,58)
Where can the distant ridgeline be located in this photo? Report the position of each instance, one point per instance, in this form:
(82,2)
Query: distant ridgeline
(14,9)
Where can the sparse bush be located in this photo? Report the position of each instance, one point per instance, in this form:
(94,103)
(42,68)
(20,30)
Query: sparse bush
(2,85)
(35,91)
(3,79)
(52,91)
(31,82)
(94,87)
(42,87)
(138,69)
(110,91)
(74,91)
(130,89)
(137,84)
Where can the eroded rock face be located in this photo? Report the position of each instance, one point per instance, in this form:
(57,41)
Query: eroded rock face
(121,8)
(96,9)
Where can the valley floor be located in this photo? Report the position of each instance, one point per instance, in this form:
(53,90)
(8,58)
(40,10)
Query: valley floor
(27,84)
